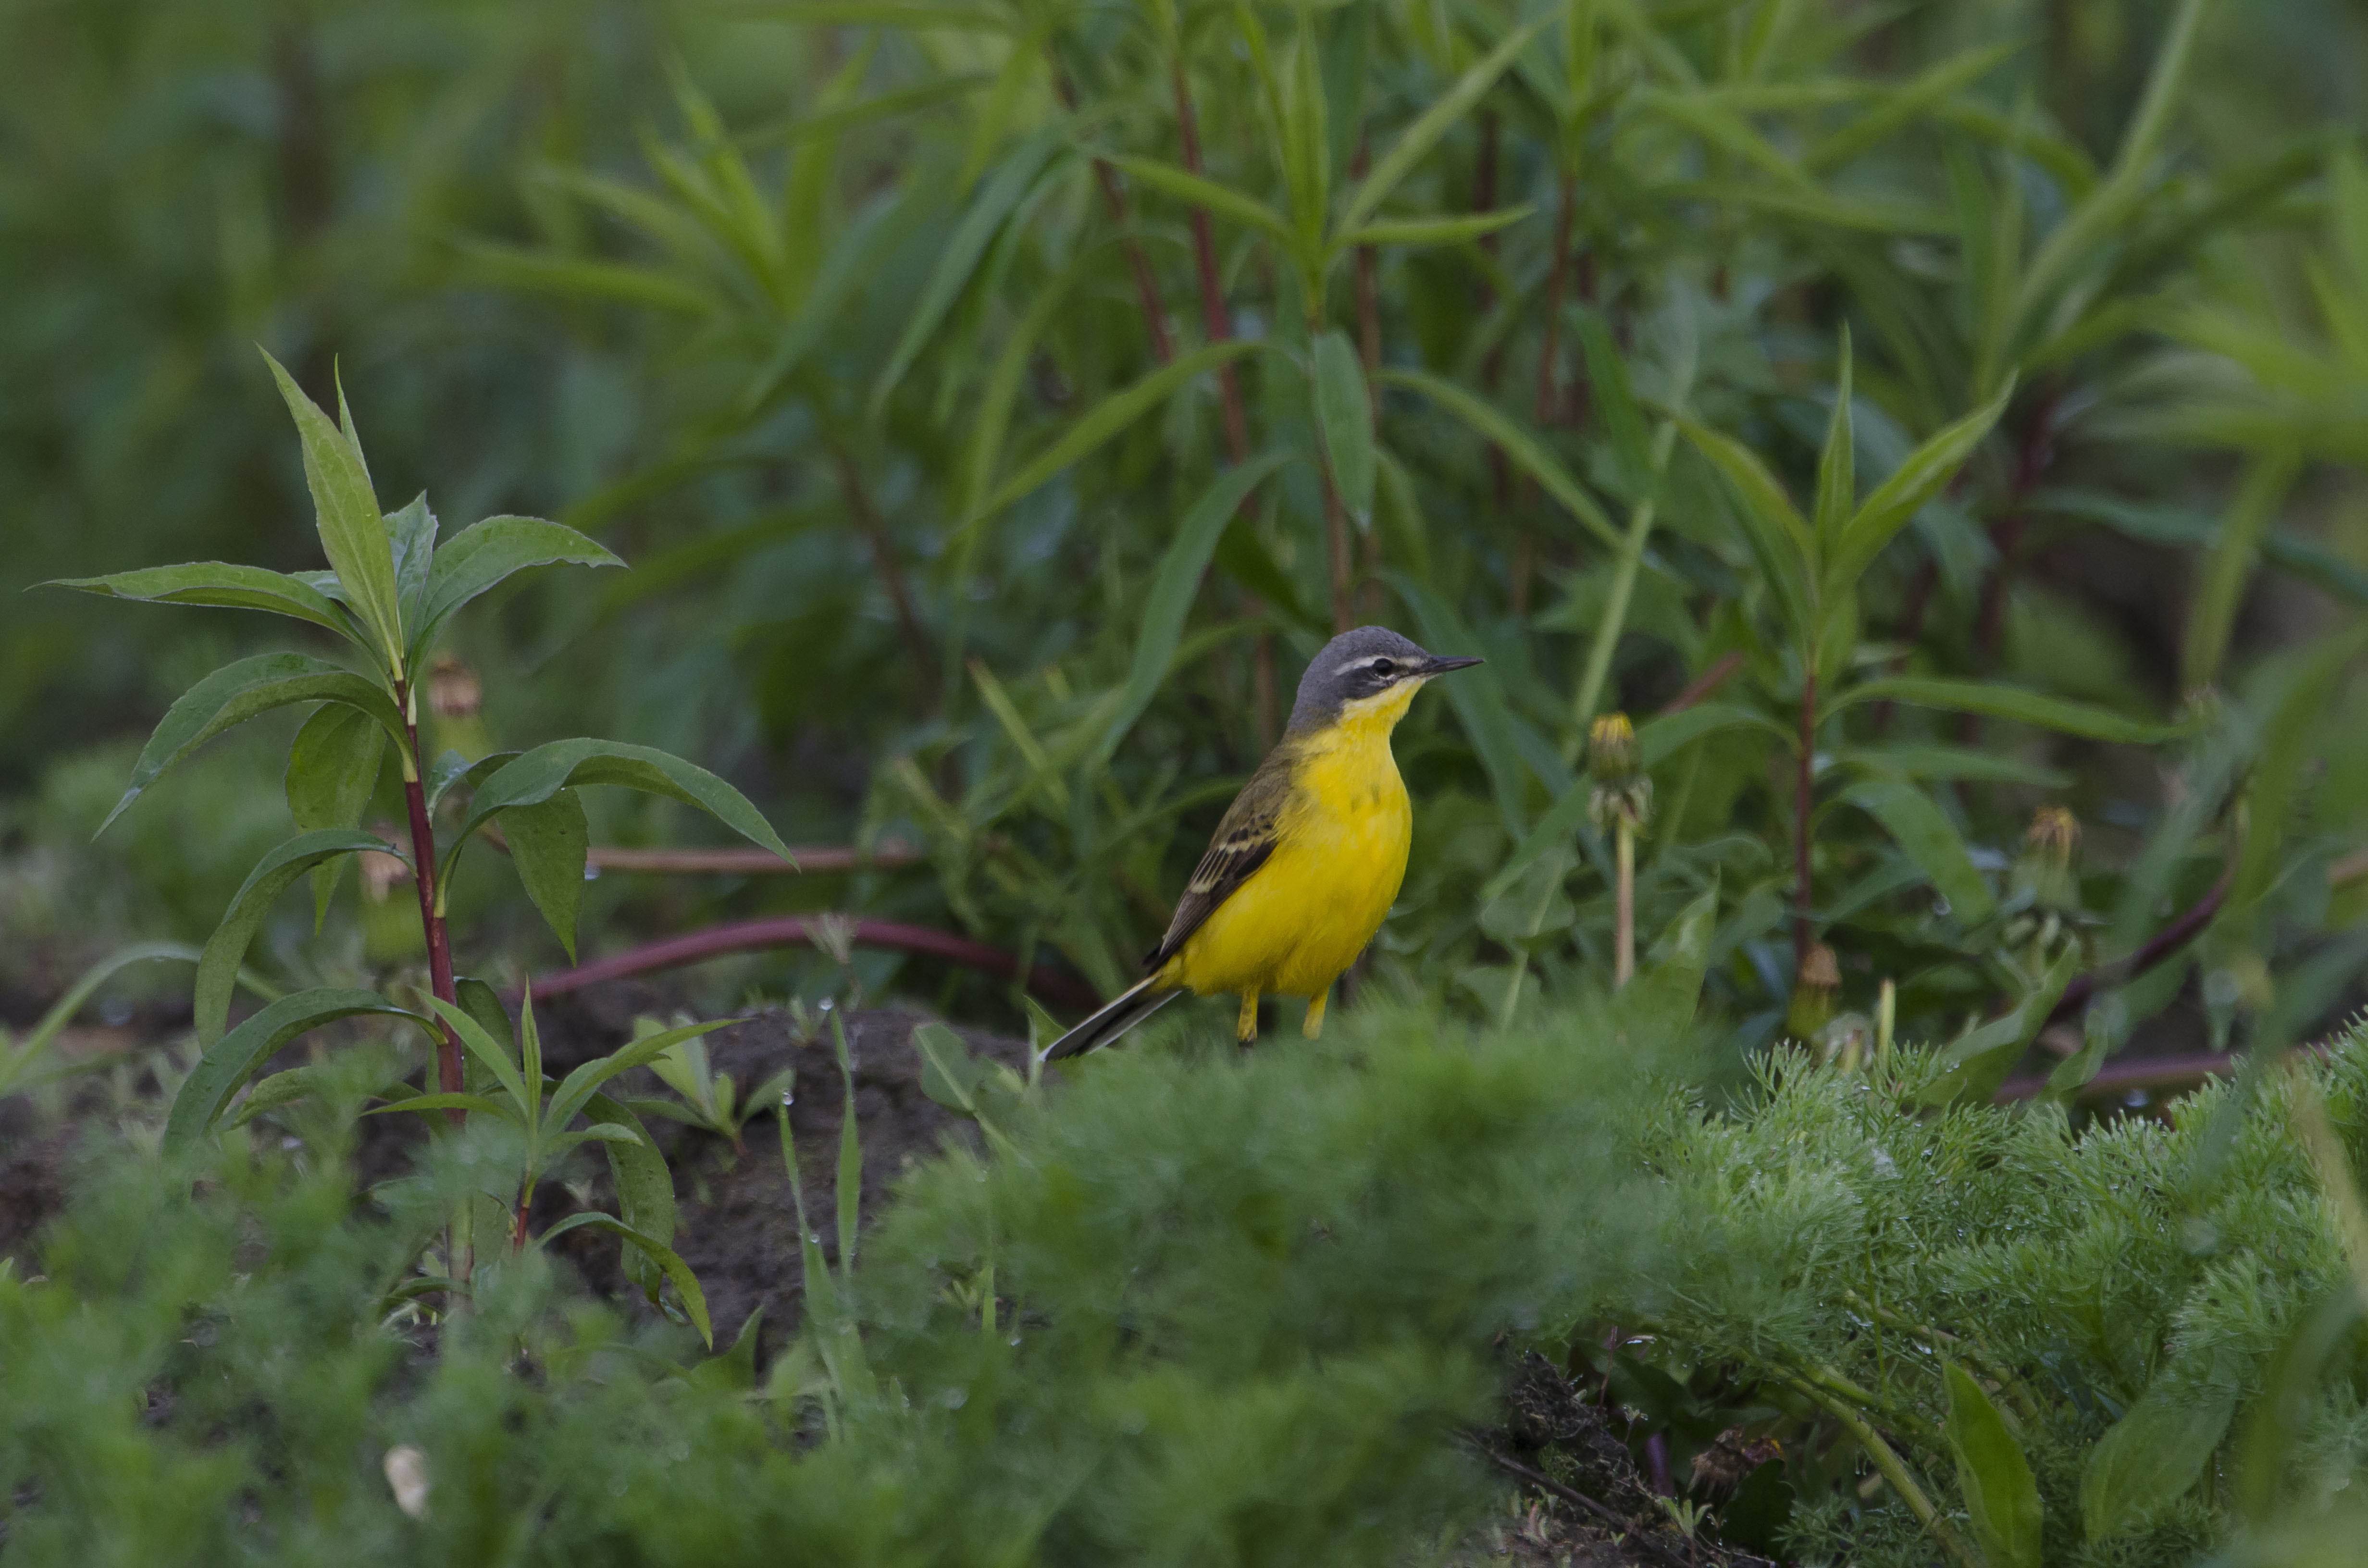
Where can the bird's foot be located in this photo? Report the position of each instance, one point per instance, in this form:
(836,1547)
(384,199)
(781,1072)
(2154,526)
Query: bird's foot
(1246,1027)
(1312,1027)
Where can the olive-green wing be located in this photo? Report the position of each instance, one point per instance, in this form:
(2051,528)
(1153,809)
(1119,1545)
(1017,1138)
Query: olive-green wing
(1241,845)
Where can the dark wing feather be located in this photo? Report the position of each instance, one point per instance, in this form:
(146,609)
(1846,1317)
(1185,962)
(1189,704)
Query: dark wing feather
(1241,845)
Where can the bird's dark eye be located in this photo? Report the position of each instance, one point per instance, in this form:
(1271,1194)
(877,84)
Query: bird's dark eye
(1385,668)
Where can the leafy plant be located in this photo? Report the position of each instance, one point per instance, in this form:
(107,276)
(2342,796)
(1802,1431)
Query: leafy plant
(391,589)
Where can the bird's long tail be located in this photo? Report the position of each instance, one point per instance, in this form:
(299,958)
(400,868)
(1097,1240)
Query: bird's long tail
(1121,1013)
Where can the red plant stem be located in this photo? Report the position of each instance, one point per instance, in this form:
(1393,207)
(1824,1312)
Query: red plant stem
(1336,535)
(2160,1073)
(1912,627)
(797,930)
(448,1079)
(1805,795)
(1720,671)
(1146,283)
(2160,946)
(891,578)
(1216,321)
(811,858)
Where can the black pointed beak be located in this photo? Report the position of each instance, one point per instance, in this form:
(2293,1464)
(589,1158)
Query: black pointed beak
(1438,666)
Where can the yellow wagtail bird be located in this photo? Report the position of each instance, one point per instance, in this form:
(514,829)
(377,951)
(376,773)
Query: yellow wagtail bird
(1308,858)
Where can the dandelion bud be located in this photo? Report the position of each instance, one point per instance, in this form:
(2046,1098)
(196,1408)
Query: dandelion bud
(2042,871)
(1816,991)
(1623,792)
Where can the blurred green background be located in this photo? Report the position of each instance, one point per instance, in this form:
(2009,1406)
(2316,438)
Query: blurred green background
(772,303)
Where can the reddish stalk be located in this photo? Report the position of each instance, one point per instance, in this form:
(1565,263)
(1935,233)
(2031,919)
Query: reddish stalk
(448,1079)
(1804,794)
(1336,537)
(2161,1072)
(796,931)
(1720,671)
(811,858)
(1146,282)
(2162,945)
(1217,322)
(891,578)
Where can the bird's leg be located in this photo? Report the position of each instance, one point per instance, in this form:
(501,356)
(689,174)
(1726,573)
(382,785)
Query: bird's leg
(1313,1025)
(1245,1027)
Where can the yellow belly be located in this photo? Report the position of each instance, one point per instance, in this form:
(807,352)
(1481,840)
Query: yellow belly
(1304,917)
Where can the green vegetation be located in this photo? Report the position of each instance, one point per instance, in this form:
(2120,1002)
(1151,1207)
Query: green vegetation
(1897,465)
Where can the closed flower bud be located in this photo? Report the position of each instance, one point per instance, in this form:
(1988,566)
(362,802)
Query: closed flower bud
(1623,792)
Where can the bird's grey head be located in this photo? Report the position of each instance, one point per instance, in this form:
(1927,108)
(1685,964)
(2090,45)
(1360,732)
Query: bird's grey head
(1360,664)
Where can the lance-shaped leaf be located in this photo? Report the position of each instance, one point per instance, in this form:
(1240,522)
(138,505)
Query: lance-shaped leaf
(233,1059)
(644,1188)
(1780,540)
(1837,463)
(412,532)
(1979,1059)
(1199,191)
(352,534)
(2009,702)
(1919,477)
(549,844)
(226,949)
(238,692)
(1929,838)
(1435,122)
(491,1053)
(332,768)
(1453,231)
(1108,417)
(218,582)
(2157,1450)
(1175,586)
(547,769)
(963,250)
(686,1283)
(2000,1492)
(1344,416)
(1660,1002)
(1519,444)
(483,554)
(579,1087)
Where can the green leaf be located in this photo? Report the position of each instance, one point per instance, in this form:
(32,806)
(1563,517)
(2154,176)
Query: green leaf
(486,552)
(491,1051)
(1524,449)
(1106,418)
(1979,1059)
(217,583)
(1435,122)
(2156,1451)
(950,1074)
(584,277)
(226,949)
(1870,129)
(238,692)
(1661,738)
(1909,760)
(280,1089)
(1930,839)
(1837,463)
(579,1087)
(2013,703)
(1660,1002)
(959,256)
(1455,230)
(549,842)
(475,1104)
(1477,698)
(2228,570)
(559,765)
(331,770)
(1197,191)
(686,1283)
(1783,542)
(1920,476)
(233,1059)
(352,534)
(1344,416)
(412,533)
(482,1003)
(2000,1493)
(87,984)
(1176,585)
(2288,1409)
(644,1188)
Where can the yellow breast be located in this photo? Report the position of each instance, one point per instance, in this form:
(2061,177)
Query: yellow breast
(1340,858)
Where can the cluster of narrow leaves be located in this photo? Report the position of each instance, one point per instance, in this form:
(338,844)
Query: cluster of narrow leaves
(1647,350)
(390,591)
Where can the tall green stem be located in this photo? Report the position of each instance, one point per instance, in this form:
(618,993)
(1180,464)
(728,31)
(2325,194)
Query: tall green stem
(1615,607)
